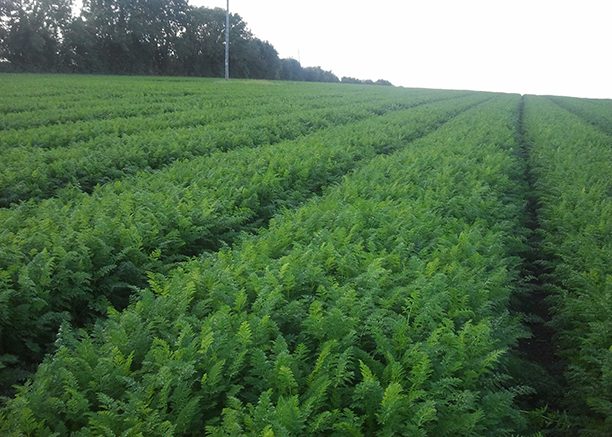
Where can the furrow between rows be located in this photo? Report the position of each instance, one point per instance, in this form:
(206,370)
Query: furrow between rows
(571,162)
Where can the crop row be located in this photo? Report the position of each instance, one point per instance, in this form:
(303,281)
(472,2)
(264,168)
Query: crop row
(596,113)
(380,308)
(104,110)
(65,260)
(39,93)
(184,114)
(34,173)
(88,109)
(572,163)
(100,110)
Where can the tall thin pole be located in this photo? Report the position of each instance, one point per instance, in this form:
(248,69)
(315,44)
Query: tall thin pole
(227,31)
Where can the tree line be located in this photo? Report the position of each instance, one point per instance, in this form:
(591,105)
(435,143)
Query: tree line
(151,37)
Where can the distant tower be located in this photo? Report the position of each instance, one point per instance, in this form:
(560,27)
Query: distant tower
(227,31)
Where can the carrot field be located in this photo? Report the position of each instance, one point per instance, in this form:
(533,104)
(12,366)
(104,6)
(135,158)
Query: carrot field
(185,256)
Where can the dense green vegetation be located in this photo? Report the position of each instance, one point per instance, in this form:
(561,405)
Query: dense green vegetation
(146,223)
(596,112)
(188,257)
(42,160)
(572,160)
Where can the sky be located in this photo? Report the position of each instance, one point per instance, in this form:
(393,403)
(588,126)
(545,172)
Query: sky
(523,46)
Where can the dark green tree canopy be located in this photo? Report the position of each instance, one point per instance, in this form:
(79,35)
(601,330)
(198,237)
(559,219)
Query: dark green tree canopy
(165,37)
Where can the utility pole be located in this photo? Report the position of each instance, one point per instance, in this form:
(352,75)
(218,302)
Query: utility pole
(227,30)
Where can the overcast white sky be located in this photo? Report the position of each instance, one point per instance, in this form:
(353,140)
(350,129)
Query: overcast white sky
(525,46)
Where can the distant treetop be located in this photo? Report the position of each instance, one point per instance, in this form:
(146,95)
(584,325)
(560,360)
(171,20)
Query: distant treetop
(346,79)
(138,37)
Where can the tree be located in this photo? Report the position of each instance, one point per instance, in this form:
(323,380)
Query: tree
(317,74)
(346,79)
(33,31)
(81,48)
(138,37)
(291,70)
(257,59)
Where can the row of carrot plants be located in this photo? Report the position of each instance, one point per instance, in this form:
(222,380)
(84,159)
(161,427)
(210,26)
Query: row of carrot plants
(24,93)
(379,308)
(66,259)
(90,108)
(100,109)
(36,173)
(571,161)
(596,112)
(185,113)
